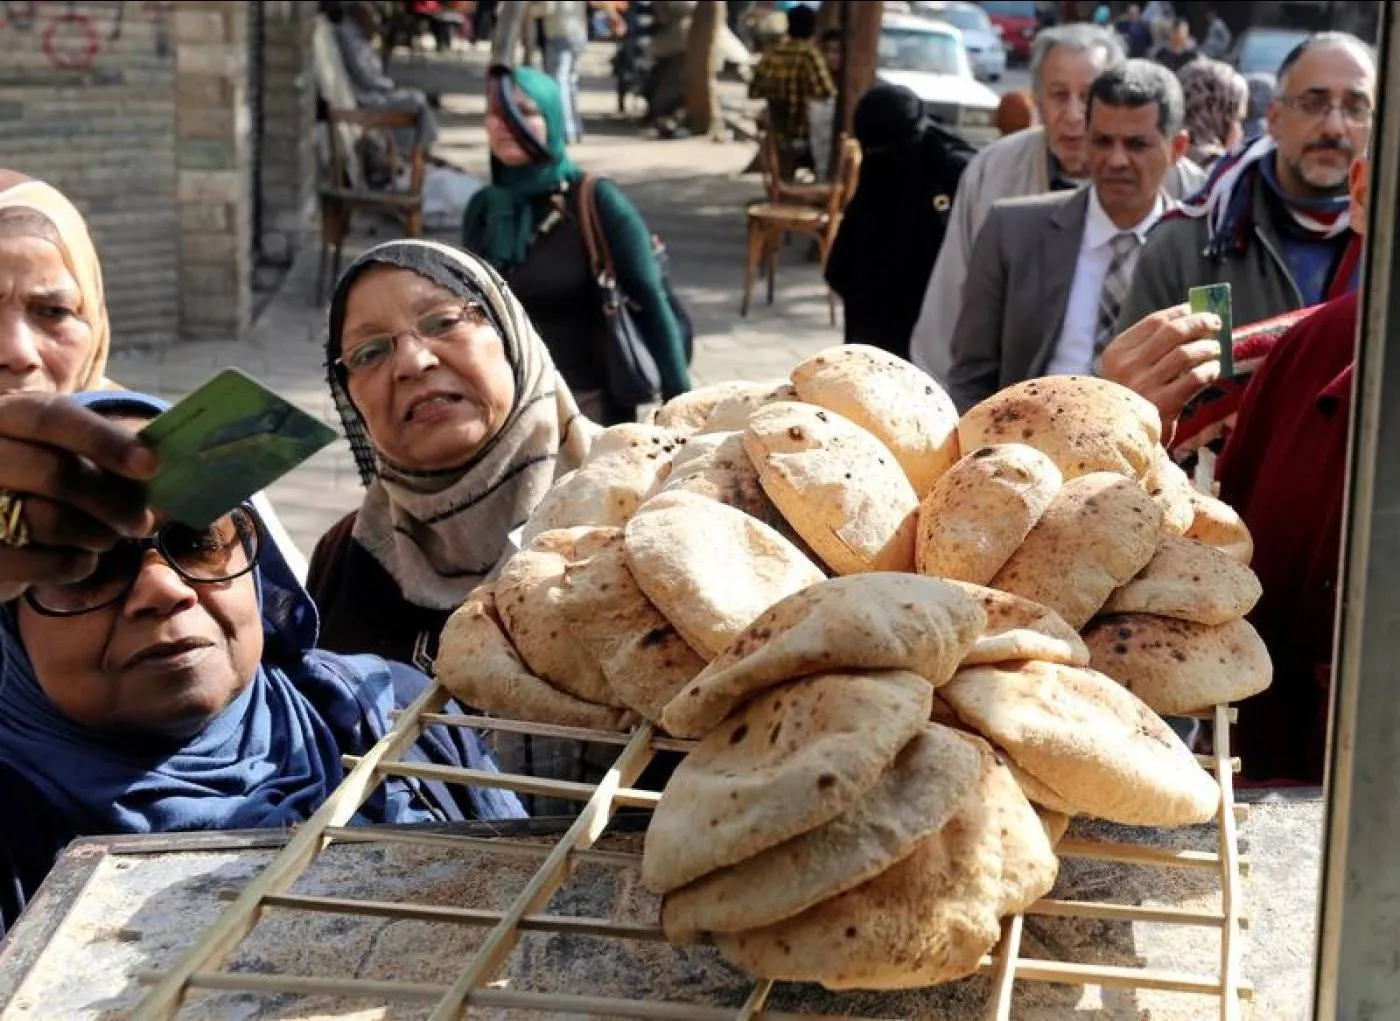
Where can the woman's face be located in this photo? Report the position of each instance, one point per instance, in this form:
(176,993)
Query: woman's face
(502,143)
(43,342)
(164,659)
(432,403)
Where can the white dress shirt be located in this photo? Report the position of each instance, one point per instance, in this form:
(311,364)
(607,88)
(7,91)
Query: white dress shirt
(1074,352)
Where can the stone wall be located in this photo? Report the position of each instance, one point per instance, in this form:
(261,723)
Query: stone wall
(87,103)
(140,113)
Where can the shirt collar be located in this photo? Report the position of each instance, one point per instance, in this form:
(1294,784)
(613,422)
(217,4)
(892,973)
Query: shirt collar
(1100,230)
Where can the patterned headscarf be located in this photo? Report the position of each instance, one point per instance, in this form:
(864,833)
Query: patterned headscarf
(1217,97)
(79,255)
(440,534)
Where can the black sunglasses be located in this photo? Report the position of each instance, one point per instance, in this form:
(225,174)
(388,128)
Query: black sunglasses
(226,550)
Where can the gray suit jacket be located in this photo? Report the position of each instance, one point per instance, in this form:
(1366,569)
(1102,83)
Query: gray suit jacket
(1018,284)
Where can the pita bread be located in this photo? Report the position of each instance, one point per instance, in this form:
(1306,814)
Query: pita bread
(711,569)
(900,405)
(732,413)
(687,412)
(837,485)
(728,476)
(862,622)
(1099,531)
(1189,580)
(791,760)
(608,489)
(1169,487)
(1178,667)
(527,594)
(1216,524)
(1056,824)
(933,774)
(1089,739)
(1020,629)
(1028,862)
(981,510)
(927,919)
(482,670)
(1083,423)
(642,656)
(1036,792)
(699,454)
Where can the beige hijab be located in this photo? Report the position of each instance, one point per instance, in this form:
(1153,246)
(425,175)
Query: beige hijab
(79,255)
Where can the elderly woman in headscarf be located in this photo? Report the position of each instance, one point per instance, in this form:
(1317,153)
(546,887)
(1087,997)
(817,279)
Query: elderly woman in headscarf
(527,224)
(909,173)
(179,687)
(1217,98)
(459,423)
(69,481)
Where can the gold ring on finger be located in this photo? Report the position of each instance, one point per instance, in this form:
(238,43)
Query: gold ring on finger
(14,530)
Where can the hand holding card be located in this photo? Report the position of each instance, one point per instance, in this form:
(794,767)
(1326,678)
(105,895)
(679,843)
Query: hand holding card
(226,441)
(1215,298)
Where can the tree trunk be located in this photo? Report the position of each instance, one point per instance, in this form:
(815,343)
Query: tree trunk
(701,64)
(862,45)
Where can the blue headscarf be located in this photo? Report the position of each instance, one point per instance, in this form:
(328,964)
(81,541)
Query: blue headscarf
(269,760)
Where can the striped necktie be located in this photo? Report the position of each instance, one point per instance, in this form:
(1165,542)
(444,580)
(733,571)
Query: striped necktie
(1115,288)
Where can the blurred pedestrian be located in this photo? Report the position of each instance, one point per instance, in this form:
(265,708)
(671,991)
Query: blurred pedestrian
(1218,36)
(1217,97)
(1262,86)
(1015,112)
(1180,49)
(565,38)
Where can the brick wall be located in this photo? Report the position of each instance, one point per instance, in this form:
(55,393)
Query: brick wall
(139,112)
(287,172)
(93,115)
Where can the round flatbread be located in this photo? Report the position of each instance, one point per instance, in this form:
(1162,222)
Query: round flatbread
(927,919)
(861,622)
(526,593)
(1089,739)
(711,569)
(900,405)
(981,510)
(932,775)
(1082,423)
(482,670)
(1217,524)
(1038,793)
(1191,581)
(1178,667)
(727,475)
(837,485)
(1099,531)
(1020,629)
(732,413)
(642,656)
(687,412)
(1169,487)
(788,762)
(626,465)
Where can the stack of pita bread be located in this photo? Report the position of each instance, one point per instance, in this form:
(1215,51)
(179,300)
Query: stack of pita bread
(909,646)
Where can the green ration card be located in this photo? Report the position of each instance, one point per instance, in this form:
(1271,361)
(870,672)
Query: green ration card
(226,441)
(1216,298)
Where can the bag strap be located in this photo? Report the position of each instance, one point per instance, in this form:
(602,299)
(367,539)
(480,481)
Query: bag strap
(591,226)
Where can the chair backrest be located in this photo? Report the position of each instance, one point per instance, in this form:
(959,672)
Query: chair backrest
(376,132)
(333,83)
(770,166)
(843,182)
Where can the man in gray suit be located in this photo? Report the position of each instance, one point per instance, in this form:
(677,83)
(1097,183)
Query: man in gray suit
(1049,272)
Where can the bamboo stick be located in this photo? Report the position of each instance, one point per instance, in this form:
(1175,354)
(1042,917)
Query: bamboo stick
(753,1006)
(451,841)
(1230,876)
(1137,854)
(517,782)
(587,828)
(1004,969)
(1033,969)
(613,737)
(229,929)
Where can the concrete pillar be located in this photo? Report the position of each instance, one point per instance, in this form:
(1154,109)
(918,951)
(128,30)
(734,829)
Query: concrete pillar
(287,158)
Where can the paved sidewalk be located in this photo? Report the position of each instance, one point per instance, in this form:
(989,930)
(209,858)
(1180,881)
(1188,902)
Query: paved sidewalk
(691,193)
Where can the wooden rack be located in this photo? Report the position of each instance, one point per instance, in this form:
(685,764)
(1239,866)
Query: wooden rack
(200,968)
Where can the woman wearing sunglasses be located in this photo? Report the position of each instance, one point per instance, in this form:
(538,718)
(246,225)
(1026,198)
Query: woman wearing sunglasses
(178,687)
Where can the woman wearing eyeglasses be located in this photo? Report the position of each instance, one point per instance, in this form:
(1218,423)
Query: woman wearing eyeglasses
(459,423)
(179,687)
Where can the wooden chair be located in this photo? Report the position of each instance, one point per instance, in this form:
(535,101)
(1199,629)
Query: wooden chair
(361,142)
(778,187)
(769,223)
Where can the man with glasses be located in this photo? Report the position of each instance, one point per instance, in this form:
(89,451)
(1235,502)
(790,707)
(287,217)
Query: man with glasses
(1273,222)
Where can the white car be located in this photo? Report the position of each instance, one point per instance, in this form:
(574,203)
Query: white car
(985,49)
(929,58)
